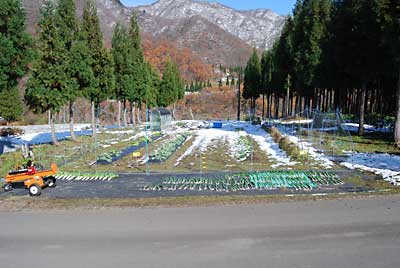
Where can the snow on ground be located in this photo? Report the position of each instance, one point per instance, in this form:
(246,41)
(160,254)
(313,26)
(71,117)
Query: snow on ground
(267,144)
(388,175)
(381,161)
(299,121)
(38,134)
(208,137)
(320,158)
(121,132)
(135,137)
(385,165)
(34,129)
(353,127)
(42,134)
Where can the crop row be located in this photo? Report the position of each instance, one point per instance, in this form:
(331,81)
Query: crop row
(168,148)
(74,176)
(243,148)
(272,180)
(108,157)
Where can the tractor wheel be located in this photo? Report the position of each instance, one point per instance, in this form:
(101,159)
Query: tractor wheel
(50,182)
(8,187)
(35,190)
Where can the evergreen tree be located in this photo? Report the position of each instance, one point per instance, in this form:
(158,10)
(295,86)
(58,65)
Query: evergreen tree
(178,82)
(81,67)
(10,104)
(311,28)
(123,65)
(252,80)
(15,54)
(389,20)
(171,87)
(101,62)
(192,88)
(266,75)
(153,83)
(67,31)
(358,54)
(49,80)
(137,92)
(167,87)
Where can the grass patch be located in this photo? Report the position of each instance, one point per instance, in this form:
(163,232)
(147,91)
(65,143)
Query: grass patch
(369,143)
(377,184)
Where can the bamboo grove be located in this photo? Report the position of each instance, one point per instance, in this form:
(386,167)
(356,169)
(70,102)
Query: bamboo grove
(69,60)
(332,55)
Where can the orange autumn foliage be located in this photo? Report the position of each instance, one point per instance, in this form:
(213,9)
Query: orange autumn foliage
(192,67)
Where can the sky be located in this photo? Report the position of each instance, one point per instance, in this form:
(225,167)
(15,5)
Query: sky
(282,7)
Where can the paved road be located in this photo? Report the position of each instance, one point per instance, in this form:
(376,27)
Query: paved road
(342,233)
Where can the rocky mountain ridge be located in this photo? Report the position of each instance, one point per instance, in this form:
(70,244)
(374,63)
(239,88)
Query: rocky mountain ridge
(214,32)
(258,28)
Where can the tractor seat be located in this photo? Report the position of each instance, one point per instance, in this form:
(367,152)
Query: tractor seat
(16,172)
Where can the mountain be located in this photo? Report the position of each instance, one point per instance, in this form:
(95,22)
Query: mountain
(258,28)
(215,33)
(109,11)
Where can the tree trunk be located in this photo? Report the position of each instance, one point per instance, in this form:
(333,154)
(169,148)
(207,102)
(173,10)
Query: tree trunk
(362,106)
(71,121)
(138,115)
(119,114)
(397,124)
(263,106)
(125,112)
(287,101)
(297,104)
(94,130)
(326,100)
(133,113)
(53,129)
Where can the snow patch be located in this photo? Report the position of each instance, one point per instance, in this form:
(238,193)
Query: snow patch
(388,175)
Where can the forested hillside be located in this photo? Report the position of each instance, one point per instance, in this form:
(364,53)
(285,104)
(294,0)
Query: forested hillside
(333,55)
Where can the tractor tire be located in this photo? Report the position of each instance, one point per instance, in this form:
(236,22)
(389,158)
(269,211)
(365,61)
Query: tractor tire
(50,182)
(35,190)
(8,187)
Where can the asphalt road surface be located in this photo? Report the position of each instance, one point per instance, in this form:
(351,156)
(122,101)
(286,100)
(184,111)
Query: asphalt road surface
(342,233)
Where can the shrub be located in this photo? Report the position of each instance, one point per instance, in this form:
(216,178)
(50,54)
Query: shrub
(5,132)
(291,148)
(284,143)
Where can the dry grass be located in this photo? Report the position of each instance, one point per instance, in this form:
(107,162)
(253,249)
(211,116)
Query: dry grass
(28,203)
(286,145)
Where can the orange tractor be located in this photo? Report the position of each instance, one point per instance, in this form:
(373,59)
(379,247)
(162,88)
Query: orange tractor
(31,179)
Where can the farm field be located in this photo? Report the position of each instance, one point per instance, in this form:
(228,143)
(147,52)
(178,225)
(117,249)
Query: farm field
(194,156)
(189,146)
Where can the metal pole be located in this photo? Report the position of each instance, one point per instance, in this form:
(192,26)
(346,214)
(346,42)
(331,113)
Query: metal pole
(95,152)
(147,142)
